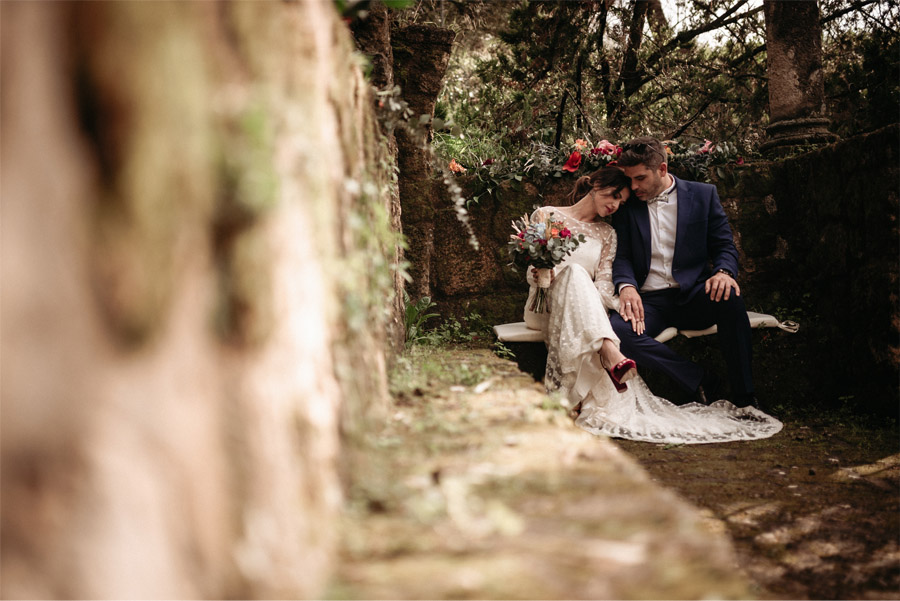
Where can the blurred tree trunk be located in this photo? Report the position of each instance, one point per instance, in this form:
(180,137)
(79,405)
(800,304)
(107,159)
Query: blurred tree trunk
(182,277)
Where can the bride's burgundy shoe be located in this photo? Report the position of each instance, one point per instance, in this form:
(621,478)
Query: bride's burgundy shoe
(621,373)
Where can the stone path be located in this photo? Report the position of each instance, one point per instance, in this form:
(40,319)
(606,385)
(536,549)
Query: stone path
(488,491)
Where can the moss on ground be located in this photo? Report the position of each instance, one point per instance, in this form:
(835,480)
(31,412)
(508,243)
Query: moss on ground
(480,486)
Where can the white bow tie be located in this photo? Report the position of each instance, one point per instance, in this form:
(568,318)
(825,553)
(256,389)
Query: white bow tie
(664,197)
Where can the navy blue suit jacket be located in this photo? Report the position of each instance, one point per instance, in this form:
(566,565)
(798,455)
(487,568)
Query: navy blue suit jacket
(703,240)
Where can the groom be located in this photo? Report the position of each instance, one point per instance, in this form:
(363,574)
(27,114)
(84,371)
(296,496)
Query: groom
(676,265)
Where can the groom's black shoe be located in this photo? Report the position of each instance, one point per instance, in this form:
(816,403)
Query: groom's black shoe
(747,400)
(708,390)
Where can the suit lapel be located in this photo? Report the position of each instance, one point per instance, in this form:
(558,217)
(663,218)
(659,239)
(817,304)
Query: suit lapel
(685,205)
(642,219)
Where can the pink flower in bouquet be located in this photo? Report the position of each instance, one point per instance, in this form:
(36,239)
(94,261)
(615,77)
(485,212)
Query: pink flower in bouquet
(607,147)
(580,144)
(573,163)
(565,233)
(706,147)
(740,161)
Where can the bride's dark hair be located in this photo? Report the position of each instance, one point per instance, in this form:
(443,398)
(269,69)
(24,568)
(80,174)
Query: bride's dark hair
(605,177)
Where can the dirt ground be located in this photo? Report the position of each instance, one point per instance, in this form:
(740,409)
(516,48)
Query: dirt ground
(814,512)
(480,486)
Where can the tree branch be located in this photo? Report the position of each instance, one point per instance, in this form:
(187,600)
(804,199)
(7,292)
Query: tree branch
(849,9)
(644,75)
(559,119)
(629,72)
(687,123)
(686,36)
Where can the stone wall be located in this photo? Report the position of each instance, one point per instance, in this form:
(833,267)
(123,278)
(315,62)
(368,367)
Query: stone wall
(196,248)
(818,240)
(818,237)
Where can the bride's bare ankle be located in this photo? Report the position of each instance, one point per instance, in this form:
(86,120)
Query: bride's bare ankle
(610,355)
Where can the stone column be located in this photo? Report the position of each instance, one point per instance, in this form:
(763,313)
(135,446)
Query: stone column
(421,55)
(796,82)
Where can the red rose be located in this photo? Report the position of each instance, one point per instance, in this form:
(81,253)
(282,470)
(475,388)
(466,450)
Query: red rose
(574,161)
(521,234)
(565,233)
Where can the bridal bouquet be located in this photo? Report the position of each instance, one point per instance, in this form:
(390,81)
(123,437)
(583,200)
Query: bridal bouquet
(542,244)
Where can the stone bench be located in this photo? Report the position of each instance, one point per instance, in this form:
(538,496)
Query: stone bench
(519,332)
(531,357)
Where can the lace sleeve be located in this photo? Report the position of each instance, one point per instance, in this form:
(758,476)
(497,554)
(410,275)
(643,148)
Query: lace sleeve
(603,280)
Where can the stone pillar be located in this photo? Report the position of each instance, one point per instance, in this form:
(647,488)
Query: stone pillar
(421,55)
(796,82)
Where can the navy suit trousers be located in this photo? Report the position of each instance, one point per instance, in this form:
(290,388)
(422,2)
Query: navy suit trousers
(662,310)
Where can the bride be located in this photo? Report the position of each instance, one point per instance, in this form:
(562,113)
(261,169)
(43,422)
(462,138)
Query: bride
(584,362)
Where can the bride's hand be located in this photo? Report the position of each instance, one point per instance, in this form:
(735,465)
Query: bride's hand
(631,308)
(534,273)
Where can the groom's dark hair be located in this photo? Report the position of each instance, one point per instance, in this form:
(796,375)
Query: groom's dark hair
(643,151)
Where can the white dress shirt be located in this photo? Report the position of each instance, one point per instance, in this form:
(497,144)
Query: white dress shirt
(663,223)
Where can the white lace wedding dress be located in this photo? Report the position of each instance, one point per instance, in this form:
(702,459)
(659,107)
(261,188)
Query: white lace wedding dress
(581,294)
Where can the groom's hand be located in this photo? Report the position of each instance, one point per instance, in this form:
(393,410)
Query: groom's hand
(719,287)
(631,308)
